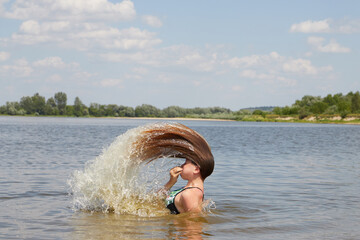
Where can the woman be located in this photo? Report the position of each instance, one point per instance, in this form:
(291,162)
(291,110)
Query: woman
(178,141)
(190,197)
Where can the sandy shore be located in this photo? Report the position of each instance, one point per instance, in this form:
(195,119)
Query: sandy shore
(288,119)
(173,119)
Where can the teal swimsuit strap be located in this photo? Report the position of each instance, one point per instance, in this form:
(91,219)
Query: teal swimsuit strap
(197,188)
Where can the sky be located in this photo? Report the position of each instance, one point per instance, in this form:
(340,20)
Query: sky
(203,53)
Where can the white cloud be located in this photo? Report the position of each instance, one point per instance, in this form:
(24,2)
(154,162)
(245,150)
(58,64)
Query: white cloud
(332,47)
(140,70)
(111,83)
(196,83)
(271,65)
(84,36)
(286,81)
(4,56)
(33,27)
(79,24)
(71,10)
(142,57)
(162,78)
(311,26)
(248,73)
(197,62)
(271,68)
(172,57)
(308,54)
(254,60)
(247,61)
(2,9)
(20,68)
(152,21)
(237,88)
(55,62)
(348,26)
(83,75)
(327,26)
(56,78)
(269,77)
(50,69)
(178,55)
(299,66)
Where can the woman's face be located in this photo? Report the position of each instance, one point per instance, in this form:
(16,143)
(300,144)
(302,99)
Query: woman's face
(188,169)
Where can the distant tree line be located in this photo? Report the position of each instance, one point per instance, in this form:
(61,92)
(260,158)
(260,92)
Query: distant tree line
(37,105)
(337,104)
(57,106)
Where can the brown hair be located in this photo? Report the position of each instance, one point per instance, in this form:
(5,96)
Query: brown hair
(174,140)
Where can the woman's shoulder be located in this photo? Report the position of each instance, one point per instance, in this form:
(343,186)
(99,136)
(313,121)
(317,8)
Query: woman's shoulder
(190,200)
(192,192)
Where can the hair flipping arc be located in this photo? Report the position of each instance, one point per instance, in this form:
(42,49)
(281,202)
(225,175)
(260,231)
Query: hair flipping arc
(174,140)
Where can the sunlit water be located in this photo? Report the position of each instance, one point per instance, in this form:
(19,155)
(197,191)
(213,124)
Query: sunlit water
(271,181)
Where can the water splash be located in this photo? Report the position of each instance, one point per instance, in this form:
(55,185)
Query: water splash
(117,181)
(208,205)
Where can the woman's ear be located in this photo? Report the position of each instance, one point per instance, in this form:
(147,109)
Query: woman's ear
(197,170)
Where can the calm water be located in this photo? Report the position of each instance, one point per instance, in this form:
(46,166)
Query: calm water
(271,181)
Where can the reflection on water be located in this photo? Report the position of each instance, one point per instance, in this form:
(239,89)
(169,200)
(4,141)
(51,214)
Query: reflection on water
(97,225)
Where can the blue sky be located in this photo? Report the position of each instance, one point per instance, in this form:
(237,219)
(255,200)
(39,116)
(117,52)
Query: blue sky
(230,53)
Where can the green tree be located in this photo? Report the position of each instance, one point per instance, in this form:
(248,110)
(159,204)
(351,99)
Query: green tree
(69,110)
(303,113)
(344,107)
(290,110)
(174,111)
(219,110)
(97,110)
(94,109)
(61,100)
(355,103)
(12,108)
(27,104)
(51,102)
(126,111)
(318,107)
(85,111)
(112,110)
(277,110)
(329,100)
(34,104)
(199,111)
(331,110)
(307,101)
(259,112)
(51,108)
(38,103)
(337,98)
(3,109)
(146,110)
(78,107)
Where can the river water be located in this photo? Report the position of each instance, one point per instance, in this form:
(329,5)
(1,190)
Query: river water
(271,181)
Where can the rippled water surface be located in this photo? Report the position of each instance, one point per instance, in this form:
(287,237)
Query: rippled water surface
(271,181)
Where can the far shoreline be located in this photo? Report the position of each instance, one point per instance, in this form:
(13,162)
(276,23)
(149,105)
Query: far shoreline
(203,119)
(175,119)
(130,118)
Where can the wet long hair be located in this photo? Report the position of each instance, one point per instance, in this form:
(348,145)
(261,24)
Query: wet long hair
(174,140)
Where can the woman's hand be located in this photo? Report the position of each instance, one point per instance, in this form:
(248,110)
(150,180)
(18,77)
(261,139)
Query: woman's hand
(174,174)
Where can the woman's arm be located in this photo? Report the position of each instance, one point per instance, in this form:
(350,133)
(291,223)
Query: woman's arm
(174,174)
